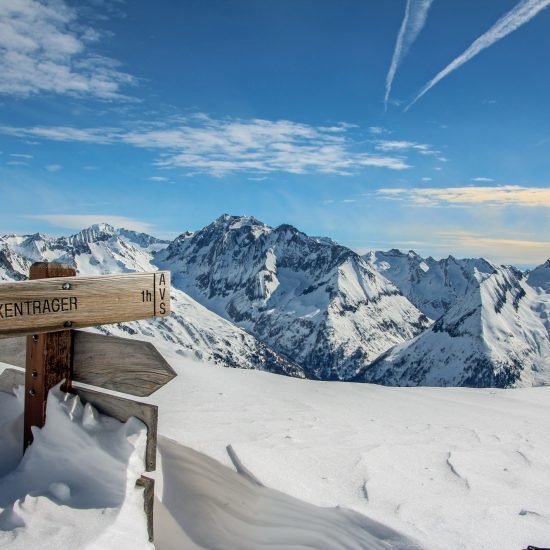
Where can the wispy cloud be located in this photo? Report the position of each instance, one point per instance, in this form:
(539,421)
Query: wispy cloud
(219,147)
(378,130)
(158,178)
(416,13)
(506,195)
(21,155)
(401,145)
(46,48)
(505,249)
(53,167)
(481,179)
(80,221)
(522,13)
(64,133)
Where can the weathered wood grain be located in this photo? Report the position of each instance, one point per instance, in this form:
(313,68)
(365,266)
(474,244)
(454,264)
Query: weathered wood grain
(148,485)
(119,364)
(122,409)
(49,305)
(48,358)
(9,378)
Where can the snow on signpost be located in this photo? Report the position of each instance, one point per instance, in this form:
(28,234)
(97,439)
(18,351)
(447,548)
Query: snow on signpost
(54,302)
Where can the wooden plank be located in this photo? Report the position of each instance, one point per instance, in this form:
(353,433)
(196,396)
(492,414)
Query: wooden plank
(148,485)
(119,364)
(122,409)
(9,378)
(49,305)
(48,359)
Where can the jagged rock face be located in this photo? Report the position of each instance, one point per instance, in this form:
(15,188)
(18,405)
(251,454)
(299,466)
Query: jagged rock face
(13,266)
(308,298)
(493,337)
(539,278)
(433,286)
(193,330)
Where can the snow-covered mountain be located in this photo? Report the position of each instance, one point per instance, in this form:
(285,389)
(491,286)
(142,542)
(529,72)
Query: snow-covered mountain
(193,330)
(308,298)
(497,335)
(433,286)
(251,296)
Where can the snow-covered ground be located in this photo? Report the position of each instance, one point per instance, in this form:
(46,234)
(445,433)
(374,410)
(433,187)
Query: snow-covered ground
(443,467)
(75,486)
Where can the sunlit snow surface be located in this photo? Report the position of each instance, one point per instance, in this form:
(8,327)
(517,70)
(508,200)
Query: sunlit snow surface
(75,486)
(452,468)
(292,464)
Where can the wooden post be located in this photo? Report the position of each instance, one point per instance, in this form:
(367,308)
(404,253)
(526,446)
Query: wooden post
(48,359)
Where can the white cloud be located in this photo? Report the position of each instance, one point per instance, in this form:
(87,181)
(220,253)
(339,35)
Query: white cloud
(224,146)
(63,133)
(45,48)
(53,167)
(508,250)
(506,195)
(390,146)
(483,180)
(158,178)
(416,13)
(522,13)
(378,130)
(21,155)
(80,221)
(426,179)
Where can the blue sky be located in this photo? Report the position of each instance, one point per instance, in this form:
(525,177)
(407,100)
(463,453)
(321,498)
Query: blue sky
(162,116)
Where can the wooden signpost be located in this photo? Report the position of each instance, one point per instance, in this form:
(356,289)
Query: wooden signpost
(47,308)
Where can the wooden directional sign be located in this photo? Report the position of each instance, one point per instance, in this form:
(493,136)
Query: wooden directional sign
(53,303)
(59,303)
(119,364)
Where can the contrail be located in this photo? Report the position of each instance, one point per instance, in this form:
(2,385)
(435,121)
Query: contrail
(514,19)
(416,13)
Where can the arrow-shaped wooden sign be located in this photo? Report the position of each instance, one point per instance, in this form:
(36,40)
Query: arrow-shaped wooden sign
(119,364)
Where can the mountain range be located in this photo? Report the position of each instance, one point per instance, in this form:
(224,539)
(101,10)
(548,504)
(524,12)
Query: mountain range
(251,296)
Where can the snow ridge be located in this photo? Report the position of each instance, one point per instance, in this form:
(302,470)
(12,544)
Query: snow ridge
(433,286)
(495,336)
(308,298)
(193,330)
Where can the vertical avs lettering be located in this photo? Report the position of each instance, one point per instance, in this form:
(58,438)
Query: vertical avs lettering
(162,294)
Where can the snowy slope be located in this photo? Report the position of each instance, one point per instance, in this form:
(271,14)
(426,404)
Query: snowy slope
(433,286)
(192,329)
(453,468)
(298,464)
(495,336)
(308,298)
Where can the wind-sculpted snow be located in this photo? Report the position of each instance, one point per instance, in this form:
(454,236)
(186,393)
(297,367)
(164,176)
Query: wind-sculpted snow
(433,286)
(216,507)
(308,298)
(453,468)
(495,336)
(75,485)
